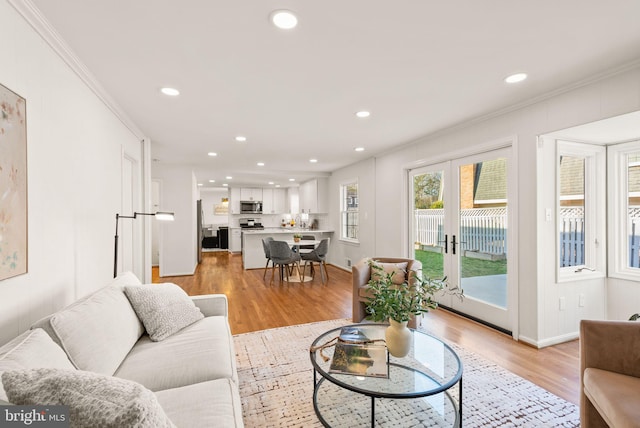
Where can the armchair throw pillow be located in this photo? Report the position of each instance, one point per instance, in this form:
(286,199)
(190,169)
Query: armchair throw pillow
(397,270)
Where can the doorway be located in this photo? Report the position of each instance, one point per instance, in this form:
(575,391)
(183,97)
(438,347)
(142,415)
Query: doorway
(460,231)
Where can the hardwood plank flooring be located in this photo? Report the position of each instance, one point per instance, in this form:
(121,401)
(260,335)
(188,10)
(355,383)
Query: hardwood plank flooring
(255,305)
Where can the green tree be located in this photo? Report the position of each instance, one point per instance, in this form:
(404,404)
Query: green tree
(427,189)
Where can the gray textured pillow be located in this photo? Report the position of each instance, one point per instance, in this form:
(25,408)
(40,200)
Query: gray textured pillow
(94,400)
(164,309)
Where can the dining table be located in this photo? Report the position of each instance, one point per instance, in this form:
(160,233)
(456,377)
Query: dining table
(295,245)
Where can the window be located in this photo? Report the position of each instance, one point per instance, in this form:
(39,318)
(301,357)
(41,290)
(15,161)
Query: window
(624,230)
(581,212)
(349,211)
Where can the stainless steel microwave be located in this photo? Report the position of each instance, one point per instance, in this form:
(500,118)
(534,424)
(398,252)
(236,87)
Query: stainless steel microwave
(250,207)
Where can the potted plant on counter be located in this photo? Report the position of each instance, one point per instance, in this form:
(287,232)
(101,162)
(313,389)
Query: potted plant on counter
(297,237)
(397,303)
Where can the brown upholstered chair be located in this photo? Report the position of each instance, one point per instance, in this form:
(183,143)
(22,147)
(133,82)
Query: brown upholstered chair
(361,273)
(609,374)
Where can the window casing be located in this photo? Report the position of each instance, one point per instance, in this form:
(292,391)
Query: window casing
(349,212)
(580,211)
(624,210)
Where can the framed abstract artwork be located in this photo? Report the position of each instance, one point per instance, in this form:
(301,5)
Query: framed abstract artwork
(13,184)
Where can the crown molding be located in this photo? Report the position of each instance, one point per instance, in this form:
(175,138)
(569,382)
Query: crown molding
(39,23)
(518,106)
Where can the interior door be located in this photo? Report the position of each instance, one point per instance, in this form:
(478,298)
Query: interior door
(460,231)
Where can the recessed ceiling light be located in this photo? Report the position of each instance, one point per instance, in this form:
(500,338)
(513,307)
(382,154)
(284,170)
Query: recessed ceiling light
(313,160)
(359,149)
(260,164)
(271,182)
(241,138)
(292,179)
(199,184)
(515,78)
(212,154)
(284,19)
(362,114)
(172,92)
(229,177)
(212,181)
(225,184)
(277,185)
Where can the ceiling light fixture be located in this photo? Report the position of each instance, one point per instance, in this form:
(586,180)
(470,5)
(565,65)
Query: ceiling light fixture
(313,160)
(362,114)
(292,179)
(271,182)
(200,184)
(260,163)
(515,78)
(225,184)
(359,149)
(284,19)
(277,185)
(212,154)
(241,139)
(172,92)
(212,181)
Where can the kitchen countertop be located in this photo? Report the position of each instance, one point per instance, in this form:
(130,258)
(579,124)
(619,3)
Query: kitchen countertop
(273,230)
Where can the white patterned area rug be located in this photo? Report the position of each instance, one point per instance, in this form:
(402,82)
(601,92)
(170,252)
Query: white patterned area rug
(276,388)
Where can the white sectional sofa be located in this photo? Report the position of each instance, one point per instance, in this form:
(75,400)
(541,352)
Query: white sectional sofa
(192,372)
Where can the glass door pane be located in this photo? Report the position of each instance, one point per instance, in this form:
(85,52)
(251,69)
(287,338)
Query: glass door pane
(428,220)
(482,251)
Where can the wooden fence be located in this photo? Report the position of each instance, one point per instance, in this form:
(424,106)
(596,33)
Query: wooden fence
(481,229)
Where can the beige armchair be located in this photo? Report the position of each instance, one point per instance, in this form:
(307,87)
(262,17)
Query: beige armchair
(361,273)
(609,374)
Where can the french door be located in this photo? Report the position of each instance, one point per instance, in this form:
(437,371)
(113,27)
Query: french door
(460,230)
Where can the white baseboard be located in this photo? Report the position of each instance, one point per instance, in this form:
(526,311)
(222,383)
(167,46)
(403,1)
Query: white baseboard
(550,341)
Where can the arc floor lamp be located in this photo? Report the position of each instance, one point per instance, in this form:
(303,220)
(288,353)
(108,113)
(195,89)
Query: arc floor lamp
(165,216)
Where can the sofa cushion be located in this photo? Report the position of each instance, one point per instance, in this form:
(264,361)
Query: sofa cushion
(214,403)
(203,351)
(93,399)
(99,331)
(32,349)
(163,308)
(610,393)
(398,271)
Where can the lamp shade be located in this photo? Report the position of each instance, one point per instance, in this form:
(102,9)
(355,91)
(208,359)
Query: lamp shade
(165,216)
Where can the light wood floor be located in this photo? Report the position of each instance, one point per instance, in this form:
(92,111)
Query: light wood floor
(255,305)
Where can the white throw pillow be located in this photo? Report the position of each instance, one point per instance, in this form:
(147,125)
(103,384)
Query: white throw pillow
(32,349)
(164,309)
(397,270)
(94,400)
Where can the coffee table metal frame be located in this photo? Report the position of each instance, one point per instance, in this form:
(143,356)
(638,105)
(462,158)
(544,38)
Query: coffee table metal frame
(441,389)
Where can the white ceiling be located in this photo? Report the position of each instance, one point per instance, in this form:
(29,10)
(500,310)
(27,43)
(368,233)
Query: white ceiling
(419,66)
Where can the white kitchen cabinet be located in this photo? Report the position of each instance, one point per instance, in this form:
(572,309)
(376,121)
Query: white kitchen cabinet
(314,196)
(250,194)
(235,240)
(235,198)
(274,201)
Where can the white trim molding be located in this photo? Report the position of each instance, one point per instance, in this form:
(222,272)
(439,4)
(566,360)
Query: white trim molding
(39,23)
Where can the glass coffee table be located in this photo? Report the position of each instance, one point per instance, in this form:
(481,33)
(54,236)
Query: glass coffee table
(418,391)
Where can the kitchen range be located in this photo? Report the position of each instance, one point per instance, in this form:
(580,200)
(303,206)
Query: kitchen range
(250,223)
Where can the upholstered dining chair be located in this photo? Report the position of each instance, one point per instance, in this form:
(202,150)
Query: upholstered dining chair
(319,255)
(361,274)
(283,256)
(267,253)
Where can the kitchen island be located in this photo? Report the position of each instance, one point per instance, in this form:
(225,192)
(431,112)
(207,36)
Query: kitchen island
(252,251)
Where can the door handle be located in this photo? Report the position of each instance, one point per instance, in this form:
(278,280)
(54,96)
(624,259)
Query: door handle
(446,244)
(453,244)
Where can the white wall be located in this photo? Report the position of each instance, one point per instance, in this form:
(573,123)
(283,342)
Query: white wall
(74,151)
(179,193)
(540,320)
